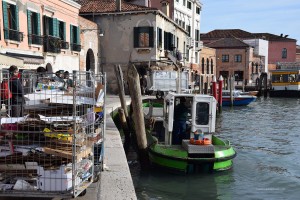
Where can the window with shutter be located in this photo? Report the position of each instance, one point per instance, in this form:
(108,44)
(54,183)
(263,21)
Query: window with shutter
(29,25)
(34,29)
(159,37)
(284,53)
(61,30)
(75,38)
(143,37)
(11,22)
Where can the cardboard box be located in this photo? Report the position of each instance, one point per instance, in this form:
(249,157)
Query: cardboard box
(53,180)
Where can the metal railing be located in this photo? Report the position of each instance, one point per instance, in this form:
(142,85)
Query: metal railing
(35,39)
(14,35)
(64,45)
(52,44)
(75,47)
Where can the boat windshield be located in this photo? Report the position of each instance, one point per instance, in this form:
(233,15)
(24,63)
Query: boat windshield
(202,113)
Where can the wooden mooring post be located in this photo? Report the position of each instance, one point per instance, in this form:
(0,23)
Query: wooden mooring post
(231,88)
(120,81)
(138,115)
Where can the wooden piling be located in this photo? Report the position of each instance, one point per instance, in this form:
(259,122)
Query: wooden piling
(265,85)
(231,88)
(120,81)
(205,88)
(138,115)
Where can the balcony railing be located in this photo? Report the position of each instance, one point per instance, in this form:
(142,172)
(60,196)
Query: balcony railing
(35,39)
(75,47)
(52,44)
(14,35)
(64,45)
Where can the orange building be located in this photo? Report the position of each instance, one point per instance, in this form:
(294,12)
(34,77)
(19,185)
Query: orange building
(40,33)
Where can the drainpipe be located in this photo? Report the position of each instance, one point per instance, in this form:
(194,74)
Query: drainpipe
(118,5)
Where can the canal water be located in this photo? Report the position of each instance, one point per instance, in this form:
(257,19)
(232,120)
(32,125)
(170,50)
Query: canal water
(266,136)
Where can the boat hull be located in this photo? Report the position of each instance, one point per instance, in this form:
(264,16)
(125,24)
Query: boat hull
(176,159)
(238,101)
(284,93)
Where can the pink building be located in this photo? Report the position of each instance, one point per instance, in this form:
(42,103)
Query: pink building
(40,33)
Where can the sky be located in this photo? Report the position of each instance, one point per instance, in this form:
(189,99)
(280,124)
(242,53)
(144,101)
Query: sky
(255,16)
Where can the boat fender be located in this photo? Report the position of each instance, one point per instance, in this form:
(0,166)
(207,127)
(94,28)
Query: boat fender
(205,141)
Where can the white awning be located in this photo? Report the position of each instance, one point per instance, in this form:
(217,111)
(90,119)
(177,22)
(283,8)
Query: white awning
(7,61)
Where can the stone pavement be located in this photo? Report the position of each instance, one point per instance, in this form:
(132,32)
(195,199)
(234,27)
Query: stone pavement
(115,181)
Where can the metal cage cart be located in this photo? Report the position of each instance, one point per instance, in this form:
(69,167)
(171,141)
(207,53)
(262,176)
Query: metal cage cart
(161,82)
(54,148)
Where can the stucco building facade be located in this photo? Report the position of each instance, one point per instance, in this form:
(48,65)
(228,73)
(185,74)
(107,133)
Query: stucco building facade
(135,34)
(40,33)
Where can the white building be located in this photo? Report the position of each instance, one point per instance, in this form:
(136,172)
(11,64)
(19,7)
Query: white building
(187,13)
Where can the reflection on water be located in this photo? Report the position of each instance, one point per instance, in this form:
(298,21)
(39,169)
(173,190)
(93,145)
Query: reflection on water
(265,135)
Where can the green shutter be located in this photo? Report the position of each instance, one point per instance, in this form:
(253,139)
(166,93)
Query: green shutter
(71,34)
(55,28)
(38,24)
(50,23)
(71,37)
(5,19)
(29,26)
(151,40)
(17,17)
(136,32)
(65,39)
(78,36)
(170,39)
(165,40)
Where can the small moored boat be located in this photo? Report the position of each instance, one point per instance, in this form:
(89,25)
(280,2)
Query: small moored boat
(193,153)
(238,98)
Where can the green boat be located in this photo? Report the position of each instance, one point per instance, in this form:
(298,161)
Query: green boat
(190,156)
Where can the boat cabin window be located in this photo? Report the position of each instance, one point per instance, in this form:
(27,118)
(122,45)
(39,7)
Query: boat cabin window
(292,78)
(225,93)
(279,78)
(202,113)
(188,104)
(166,111)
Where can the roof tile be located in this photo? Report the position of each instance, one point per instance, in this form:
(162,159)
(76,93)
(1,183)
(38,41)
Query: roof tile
(107,6)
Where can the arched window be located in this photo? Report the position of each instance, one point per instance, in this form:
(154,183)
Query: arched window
(284,53)
(202,62)
(207,66)
(212,66)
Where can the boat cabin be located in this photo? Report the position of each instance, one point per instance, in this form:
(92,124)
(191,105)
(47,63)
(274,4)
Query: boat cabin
(286,79)
(201,114)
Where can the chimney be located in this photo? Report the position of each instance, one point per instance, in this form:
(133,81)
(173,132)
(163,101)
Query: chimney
(118,5)
(165,7)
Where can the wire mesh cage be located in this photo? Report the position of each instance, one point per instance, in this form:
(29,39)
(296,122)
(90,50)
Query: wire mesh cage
(51,139)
